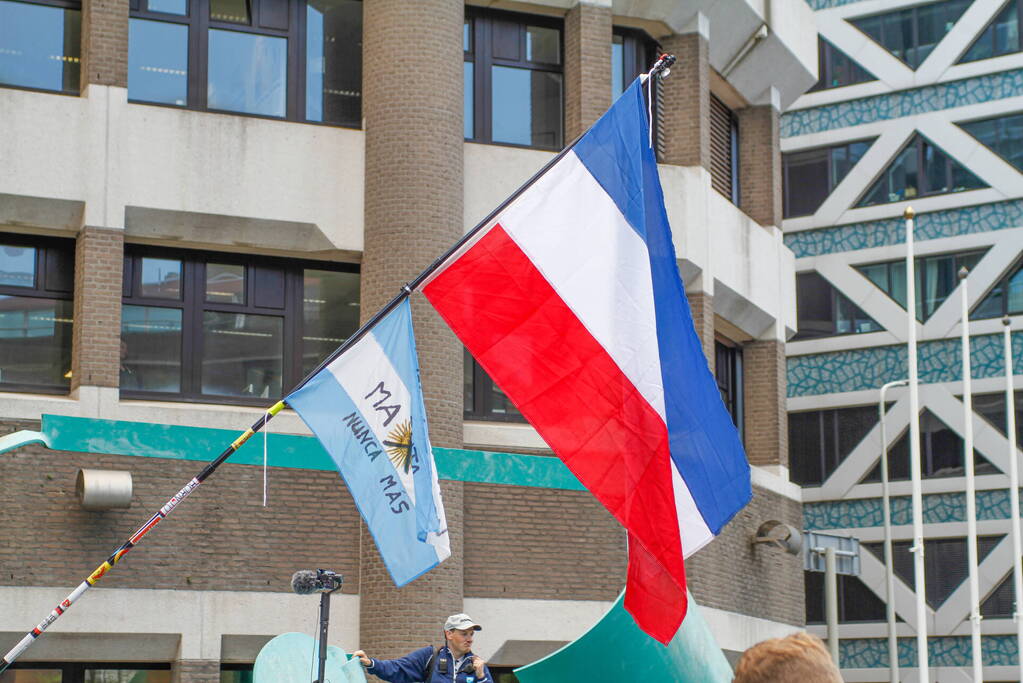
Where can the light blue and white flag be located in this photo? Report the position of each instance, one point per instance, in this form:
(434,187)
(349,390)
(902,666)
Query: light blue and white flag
(366,408)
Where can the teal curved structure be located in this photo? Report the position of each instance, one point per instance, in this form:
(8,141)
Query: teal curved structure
(614,650)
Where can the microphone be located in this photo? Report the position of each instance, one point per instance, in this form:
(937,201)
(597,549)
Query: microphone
(307,581)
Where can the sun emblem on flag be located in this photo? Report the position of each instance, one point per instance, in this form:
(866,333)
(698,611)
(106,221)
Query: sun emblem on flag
(399,445)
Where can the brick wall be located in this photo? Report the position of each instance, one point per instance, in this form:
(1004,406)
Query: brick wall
(760,164)
(686,112)
(701,305)
(587,66)
(95,355)
(220,538)
(761,581)
(105,42)
(413,212)
(195,671)
(536,543)
(767,439)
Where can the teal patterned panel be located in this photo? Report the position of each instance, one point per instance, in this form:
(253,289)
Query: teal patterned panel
(938,508)
(903,103)
(961,221)
(859,369)
(825,4)
(872,653)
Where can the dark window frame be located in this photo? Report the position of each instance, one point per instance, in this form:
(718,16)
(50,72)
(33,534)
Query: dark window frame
(193,304)
(75,5)
(848,601)
(482,393)
(197,19)
(1002,284)
(839,302)
(920,142)
(826,69)
(481,22)
(44,246)
(922,277)
(914,13)
(985,35)
(830,436)
(728,374)
(639,53)
(827,156)
(1001,118)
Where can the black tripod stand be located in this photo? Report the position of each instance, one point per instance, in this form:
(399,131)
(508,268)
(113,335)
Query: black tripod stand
(330,583)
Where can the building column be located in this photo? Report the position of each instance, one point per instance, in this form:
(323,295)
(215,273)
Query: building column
(767,434)
(760,164)
(686,113)
(104,43)
(587,65)
(195,671)
(96,335)
(413,211)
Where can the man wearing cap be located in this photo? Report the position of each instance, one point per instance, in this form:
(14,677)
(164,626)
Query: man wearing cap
(453,663)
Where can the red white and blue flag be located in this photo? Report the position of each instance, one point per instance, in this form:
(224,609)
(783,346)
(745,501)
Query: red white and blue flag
(571,300)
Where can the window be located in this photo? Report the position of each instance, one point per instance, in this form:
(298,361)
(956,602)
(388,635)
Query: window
(633,52)
(856,602)
(513,79)
(236,673)
(294,59)
(992,408)
(819,440)
(936,278)
(40,44)
(199,326)
(811,175)
(911,34)
(36,310)
(1005,298)
(724,150)
(1001,602)
(1002,135)
(921,169)
(945,563)
(63,672)
(1000,37)
(823,311)
(836,68)
(484,400)
(728,373)
(941,454)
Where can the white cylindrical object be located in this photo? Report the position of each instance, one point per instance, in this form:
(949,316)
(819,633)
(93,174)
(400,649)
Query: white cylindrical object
(831,600)
(893,643)
(971,484)
(1010,423)
(914,459)
(103,489)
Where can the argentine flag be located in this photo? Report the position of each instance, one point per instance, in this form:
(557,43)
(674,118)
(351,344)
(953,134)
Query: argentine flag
(366,408)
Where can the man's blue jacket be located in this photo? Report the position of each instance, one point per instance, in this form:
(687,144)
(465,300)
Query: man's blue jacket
(412,668)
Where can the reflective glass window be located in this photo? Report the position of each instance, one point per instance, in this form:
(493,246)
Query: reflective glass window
(1004,298)
(233,11)
(40,46)
(823,311)
(1000,37)
(247,73)
(920,169)
(936,278)
(158,62)
(334,61)
(36,313)
(1003,135)
(330,309)
(179,7)
(912,33)
(811,175)
(514,83)
(237,329)
(836,69)
(483,399)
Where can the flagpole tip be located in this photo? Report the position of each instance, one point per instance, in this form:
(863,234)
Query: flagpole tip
(908,213)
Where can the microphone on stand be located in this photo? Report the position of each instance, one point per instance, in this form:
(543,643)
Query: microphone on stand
(324,582)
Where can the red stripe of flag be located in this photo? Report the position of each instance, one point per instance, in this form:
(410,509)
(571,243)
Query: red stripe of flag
(575,395)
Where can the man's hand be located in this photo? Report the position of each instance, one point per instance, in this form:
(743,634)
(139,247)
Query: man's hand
(366,661)
(478,663)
